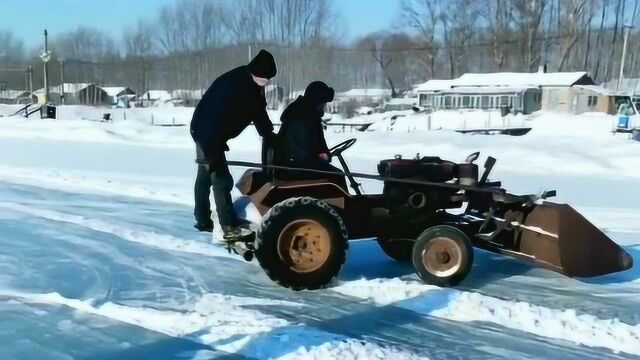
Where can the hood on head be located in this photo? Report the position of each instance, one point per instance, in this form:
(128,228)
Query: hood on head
(319,93)
(263,65)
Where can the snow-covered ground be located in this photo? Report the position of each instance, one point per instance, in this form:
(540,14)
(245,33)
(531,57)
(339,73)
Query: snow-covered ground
(98,258)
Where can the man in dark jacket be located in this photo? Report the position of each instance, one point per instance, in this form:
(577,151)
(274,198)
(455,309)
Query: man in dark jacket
(301,136)
(231,103)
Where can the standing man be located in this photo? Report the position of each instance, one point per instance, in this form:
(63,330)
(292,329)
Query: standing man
(231,103)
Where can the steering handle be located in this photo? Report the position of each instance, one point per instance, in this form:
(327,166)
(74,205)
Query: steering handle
(341,147)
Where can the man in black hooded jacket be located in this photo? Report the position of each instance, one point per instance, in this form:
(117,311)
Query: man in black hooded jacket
(232,102)
(301,137)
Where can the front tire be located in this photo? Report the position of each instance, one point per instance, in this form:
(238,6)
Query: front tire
(302,243)
(443,256)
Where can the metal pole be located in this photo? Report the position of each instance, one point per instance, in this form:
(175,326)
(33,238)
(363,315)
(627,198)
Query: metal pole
(46,68)
(624,55)
(61,81)
(249,51)
(30,71)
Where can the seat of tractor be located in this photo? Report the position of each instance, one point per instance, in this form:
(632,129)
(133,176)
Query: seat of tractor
(271,157)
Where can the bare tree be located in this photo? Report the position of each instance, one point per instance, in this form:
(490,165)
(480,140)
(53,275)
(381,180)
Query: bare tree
(423,16)
(573,11)
(140,46)
(529,17)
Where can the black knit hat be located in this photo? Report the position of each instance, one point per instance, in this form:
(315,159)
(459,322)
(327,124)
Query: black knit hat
(263,65)
(319,93)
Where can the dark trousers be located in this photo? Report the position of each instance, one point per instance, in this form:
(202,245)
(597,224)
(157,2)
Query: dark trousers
(213,173)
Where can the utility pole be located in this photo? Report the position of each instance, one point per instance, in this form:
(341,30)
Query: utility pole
(46,57)
(627,28)
(249,51)
(61,61)
(30,72)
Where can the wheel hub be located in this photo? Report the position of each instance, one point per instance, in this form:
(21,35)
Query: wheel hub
(304,245)
(442,257)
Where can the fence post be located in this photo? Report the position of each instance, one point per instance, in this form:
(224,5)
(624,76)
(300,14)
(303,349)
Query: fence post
(429,122)
(152,123)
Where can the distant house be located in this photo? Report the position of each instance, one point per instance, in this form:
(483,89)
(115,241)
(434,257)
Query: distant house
(364,96)
(155,97)
(187,97)
(75,94)
(357,98)
(16,97)
(399,104)
(427,91)
(518,92)
(116,93)
(592,98)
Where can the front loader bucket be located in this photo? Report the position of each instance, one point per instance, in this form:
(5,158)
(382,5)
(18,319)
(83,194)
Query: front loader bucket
(557,237)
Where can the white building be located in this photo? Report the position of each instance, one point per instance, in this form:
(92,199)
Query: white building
(518,92)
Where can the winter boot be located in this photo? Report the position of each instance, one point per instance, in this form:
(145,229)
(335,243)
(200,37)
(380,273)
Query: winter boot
(236,233)
(204,227)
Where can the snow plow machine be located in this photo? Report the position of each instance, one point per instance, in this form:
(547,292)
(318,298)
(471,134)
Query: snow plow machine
(431,212)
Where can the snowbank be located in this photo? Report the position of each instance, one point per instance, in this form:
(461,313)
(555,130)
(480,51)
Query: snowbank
(457,305)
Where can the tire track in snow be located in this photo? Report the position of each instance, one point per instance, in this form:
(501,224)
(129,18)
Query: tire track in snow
(225,324)
(565,325)
(161,241)
(91,183)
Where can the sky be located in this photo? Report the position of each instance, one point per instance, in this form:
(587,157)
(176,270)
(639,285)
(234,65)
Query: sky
(113,16)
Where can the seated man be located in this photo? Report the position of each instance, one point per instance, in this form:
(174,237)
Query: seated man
(301,136)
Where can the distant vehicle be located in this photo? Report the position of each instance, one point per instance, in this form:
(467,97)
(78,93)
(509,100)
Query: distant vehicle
(628,120)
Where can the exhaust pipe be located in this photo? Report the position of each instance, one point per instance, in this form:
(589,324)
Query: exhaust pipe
(417,200)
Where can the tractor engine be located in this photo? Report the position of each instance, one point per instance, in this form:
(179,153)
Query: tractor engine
(403,197)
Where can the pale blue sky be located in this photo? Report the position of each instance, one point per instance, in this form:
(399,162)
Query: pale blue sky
(28,18)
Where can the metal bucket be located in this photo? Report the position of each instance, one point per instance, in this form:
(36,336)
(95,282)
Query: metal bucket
(557,237)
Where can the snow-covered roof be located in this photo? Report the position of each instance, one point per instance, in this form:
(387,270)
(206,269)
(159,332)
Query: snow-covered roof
(187,94)
(156,95)
(115,90)
(595,89)
(13,94)
(364,93)
(520,79)
(68,88)
(487,89)
(434,85)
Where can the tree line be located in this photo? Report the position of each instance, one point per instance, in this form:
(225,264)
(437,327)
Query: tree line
(190,42)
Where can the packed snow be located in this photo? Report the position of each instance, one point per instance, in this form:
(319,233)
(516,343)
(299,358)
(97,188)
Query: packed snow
(99,259)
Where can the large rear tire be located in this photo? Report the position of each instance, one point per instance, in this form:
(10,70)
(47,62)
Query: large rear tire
(302,243)
(443,256)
